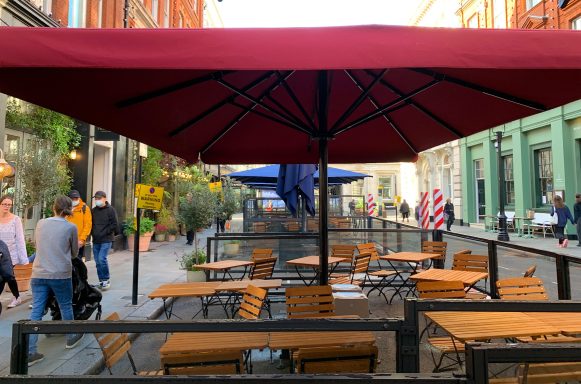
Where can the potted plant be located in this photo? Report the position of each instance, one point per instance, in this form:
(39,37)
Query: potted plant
(197,209)
(231,247)
(160,232)
(172,232)
(189,262)
(145,233)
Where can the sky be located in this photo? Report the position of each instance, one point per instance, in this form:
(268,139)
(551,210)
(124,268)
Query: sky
(312,13)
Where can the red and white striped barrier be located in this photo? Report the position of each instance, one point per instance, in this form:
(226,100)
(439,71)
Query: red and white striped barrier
(438,209)
(370,205)
(425,210)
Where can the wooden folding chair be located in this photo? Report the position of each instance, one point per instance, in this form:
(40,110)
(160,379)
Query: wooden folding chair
(294,226)
(203,363)
(345,251)
(471,263)
(530,272)
(313,301)
(358,273)
(253,301)
(115,345)
(263,268)
(521,288)
(544,373)
(437,247)
(312,225)
(261,253)
(336,359)
(259,227)
(382,275)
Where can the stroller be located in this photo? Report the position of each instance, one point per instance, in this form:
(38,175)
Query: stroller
(86,299)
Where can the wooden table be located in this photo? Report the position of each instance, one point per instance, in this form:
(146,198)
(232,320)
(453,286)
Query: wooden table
(467,277)
(225,266)
(568,322)
(203,290)
(193,342)
(241,285)
(295,340)
(482,326)
(414,260)
(314,263)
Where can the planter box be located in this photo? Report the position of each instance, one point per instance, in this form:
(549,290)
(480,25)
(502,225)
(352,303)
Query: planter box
(143,242)
(231,249)
(171,237)
(22,273)
(195,276)
(160,237)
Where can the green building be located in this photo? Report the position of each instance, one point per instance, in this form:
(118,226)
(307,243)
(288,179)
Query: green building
(541,156)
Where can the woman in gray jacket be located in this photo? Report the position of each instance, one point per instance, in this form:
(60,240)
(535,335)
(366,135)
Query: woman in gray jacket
(56,245)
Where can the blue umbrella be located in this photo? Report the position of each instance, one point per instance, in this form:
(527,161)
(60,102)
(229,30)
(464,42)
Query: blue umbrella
(296,180)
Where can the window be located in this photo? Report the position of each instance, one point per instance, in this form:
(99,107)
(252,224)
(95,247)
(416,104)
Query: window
(447,189)
(473,21)
(479,169)
(576,23)
(385,189)
(499,7)
(532,3)
(47,7)
(155,9)
(508,180)
(100,14)
(166,14)
(544,166)
(77,13)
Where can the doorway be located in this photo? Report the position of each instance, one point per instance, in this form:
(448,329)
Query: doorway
(480,190)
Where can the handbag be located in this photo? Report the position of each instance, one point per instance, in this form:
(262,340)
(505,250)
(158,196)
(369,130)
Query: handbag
(555,217)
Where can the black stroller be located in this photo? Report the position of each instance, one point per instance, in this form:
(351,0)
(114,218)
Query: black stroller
(86,299)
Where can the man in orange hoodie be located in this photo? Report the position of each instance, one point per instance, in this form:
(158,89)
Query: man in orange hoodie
(81,217)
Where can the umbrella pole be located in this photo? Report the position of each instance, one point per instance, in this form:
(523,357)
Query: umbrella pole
(304,213)
(323,186)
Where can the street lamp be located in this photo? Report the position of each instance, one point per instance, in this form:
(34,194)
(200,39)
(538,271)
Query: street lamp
(502,232)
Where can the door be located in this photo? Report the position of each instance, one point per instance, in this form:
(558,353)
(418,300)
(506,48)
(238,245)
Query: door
(480,193)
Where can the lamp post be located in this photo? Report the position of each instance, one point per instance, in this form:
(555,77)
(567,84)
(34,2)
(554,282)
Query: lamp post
(502,233)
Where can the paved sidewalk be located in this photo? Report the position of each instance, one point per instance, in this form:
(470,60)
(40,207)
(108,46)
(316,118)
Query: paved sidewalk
(159,265)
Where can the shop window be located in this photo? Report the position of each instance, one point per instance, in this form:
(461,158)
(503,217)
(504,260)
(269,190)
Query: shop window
(508,180)
(544,176)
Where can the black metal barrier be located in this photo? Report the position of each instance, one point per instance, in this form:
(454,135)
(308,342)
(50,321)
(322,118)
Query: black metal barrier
(480,355)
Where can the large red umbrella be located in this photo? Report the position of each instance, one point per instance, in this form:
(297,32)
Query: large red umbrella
(372,93)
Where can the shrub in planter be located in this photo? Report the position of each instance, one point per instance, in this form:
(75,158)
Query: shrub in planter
(145,232)
(160,232)
(231,247)
(189,261)
(172,232)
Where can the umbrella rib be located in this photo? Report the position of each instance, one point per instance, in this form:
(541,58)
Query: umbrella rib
(487,91)
(259,102)
(385,108)
(272,118)
(240,116)
(164,91)
(420,108)
(389,121)
(297,102)
(360,99)
(217,106)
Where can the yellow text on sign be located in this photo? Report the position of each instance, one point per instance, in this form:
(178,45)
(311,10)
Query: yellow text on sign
(149,197)
(215,187)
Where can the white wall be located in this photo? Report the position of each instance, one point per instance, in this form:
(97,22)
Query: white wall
(103,167)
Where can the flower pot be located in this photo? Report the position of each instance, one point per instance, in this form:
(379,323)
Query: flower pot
(231,249)
(195,276)
(143,242)
(160,237)
(22,273)
(171,237)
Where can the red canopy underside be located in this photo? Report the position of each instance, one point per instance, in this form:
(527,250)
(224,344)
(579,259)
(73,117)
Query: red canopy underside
(251,96)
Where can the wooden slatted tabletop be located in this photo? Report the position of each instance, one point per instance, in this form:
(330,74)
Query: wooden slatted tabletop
(313,261)
(239,285)
(467,277)
(192,342)
(224,265)
(409,257)
(482,326)
(568,322)
(182,292)
(294,340)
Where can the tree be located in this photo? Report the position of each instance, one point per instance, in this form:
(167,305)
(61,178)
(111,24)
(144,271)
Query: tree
(229,204)
(197,209)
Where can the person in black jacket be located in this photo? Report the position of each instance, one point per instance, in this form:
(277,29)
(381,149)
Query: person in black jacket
(105,226)
(449,213)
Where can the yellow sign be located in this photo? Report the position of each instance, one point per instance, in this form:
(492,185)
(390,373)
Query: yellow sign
(397,199)
(215,187)
(148,197)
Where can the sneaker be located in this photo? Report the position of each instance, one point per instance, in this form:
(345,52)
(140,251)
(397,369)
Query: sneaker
(73,340)
(565,243)
(15,302)
(34,358)
(105,284)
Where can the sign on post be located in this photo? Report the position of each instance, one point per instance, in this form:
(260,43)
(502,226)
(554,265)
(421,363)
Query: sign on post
(148,197)
(215,187)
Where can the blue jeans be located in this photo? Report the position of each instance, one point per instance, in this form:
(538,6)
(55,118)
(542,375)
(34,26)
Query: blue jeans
(63,292)
(100,252)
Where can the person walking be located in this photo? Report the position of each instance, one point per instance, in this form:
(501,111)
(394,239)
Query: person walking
(12,233)
(82,219)
(105,226)
(577,217)
(449,213)
(563,214)
(57,244)
(417,213)
(404,209)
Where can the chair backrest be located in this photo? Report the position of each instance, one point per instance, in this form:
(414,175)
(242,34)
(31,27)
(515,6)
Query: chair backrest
(369,248)
(521,288)
(344,223)
(312,225)
(294,226)
(464,251)
(313,301)
(545,373)
(263,268)
(352,359)
(440,290)
(469,262)
(252,302)
(259,227)
(360,264)
(114,345)
(203,363)
(530,272)
(438,247)
(346,251)
(261,253)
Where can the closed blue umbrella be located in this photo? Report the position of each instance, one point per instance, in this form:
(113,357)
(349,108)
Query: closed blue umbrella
(294,181)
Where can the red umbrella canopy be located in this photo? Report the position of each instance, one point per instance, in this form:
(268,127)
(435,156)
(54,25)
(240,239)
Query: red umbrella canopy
(379,93)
